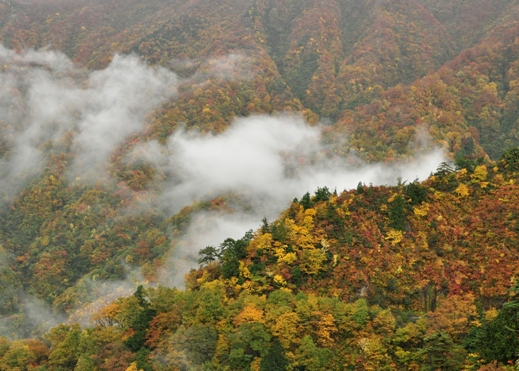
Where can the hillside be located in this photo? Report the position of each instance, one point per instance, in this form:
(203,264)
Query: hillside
(380,278)
(134,134)
(351,58)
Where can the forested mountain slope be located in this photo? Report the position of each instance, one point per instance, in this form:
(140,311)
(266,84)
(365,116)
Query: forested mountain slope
(327,58)
(403,277)
(121,153)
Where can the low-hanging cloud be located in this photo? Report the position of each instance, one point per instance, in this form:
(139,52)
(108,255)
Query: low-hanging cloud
(265,161)
(229,67)
(34,318)
(43,96)
(118,98)
(205,229)
(265,158)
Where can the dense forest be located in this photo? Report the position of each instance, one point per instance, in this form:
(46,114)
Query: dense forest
(135,135)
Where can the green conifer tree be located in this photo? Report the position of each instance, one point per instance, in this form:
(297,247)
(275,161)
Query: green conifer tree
(275,359)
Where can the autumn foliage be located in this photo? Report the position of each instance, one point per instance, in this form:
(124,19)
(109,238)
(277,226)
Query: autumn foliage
(418,276)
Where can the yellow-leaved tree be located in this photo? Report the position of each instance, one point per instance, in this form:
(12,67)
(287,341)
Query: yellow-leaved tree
(133,367)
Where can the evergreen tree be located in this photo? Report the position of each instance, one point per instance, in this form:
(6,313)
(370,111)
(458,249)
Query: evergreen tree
(440,353)
(322,194)
(275,359)
(416,192)
(231,252)
(306,202)
(265,228)
(397,217)
(498,340)
(360,188)
(509,160)
(207,255)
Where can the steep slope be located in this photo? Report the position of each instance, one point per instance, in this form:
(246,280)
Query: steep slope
(402,43)
(377,278)
(381,278)
(468,21)
(390,78)
(331,55)
(391,243)
(467,103)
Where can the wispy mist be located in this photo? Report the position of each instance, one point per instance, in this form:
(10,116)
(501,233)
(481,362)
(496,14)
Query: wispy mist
(263,161)
(43,96)
(35,317)
(268,160)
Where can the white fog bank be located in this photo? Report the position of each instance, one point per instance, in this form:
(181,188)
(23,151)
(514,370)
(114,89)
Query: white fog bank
(265,161)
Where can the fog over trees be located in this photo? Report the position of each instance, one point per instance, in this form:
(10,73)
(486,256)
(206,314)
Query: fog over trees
(259,185)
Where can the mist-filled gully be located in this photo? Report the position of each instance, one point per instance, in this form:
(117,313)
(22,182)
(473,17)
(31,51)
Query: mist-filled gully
(43,97)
